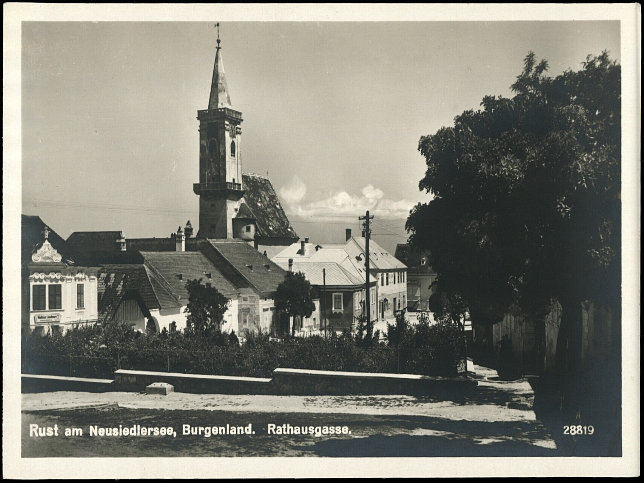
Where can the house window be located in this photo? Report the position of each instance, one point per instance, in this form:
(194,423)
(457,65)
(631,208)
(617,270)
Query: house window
(39,297)
(247,228)
(55,297)
(337,301)
(56,330)
(232,149)
(395,304)
(404,301)
(80,296)
(386,279)
(423,261)
(382,279)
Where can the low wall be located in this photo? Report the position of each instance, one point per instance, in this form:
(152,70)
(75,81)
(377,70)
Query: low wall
(311,382)
(45,383)
(284,382)
(128,380)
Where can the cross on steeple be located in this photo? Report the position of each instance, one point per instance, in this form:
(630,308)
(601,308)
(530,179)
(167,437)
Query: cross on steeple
(218,41)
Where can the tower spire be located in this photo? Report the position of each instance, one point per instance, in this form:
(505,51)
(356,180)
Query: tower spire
(219,96)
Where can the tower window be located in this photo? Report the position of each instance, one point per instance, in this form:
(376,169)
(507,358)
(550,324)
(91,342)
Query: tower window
(232,148)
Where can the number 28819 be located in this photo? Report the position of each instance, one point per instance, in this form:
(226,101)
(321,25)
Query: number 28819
(579,430)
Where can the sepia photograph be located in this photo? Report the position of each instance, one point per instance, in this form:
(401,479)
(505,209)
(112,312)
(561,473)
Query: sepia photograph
(321,240)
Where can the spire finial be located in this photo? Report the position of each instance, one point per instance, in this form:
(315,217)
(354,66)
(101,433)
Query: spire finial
(218,40)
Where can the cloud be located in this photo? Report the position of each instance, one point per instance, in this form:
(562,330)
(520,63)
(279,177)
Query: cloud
(294,192)
(341,204)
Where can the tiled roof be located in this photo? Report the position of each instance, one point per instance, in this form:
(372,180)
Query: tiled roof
(244,212)
(403,253)
(95,248)
(346,271)
(244,266)
(32,237)
(334,274)
(117,280)
(412,258)
(379,258)
(190,265)
(270,218)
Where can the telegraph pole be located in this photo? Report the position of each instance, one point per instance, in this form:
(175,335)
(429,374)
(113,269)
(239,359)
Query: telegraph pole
(367,234)
(324,299)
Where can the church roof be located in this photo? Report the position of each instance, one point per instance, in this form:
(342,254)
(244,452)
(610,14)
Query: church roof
(270,219)
(219,96)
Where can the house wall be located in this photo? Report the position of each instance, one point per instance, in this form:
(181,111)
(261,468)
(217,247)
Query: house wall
(396,288)
(248,313)
(268,314)
(337,320)
(312,324)
(418,291)
(69,314)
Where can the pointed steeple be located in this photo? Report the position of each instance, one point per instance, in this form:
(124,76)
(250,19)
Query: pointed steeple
(219,88)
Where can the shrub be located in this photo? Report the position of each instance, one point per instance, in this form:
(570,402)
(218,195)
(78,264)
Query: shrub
(96,351)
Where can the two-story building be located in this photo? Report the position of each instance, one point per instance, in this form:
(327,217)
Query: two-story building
(420,275)
(57,293)
(390,272)
(338,283)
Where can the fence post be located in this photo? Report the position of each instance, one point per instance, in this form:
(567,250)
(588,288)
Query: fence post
(70,365)
(118,360)
(168,361)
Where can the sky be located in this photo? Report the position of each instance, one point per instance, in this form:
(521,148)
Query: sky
(333,112)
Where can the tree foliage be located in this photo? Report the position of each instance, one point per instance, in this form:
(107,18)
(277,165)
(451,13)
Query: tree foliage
(294,296)
(205,309)
(526,190)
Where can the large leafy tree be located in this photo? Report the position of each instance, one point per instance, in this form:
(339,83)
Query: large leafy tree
(294,297)
(205,309)
(526,205)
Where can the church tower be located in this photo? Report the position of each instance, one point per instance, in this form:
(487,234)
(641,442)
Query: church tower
(220,185)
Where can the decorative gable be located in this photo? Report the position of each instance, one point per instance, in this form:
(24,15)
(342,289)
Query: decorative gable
(46,254)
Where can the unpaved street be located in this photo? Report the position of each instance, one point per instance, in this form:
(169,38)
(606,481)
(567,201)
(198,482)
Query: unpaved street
(497,420)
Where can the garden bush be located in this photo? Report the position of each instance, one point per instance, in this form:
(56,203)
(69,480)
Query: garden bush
(96,351)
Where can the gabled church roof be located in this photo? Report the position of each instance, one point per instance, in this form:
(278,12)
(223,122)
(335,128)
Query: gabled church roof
(270,219)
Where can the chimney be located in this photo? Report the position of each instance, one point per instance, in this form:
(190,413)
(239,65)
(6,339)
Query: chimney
(180,240)
(348,234)
(303,248)
(306,240)
(189,230)
(290,264)
(121,242)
